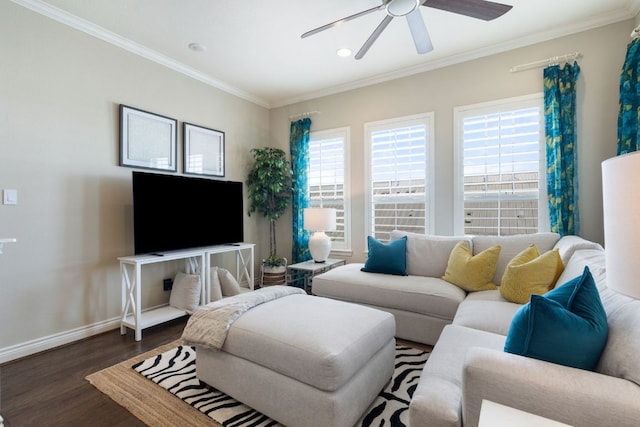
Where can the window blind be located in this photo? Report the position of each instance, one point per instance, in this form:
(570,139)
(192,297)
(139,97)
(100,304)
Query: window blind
(501,163)
(398,180)
(327,181)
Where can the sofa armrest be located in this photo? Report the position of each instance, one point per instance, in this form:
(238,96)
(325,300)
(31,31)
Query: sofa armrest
(568,245)
(569,395)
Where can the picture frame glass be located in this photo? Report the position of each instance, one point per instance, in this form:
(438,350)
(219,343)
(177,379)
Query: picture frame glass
(147,140)
(203,151)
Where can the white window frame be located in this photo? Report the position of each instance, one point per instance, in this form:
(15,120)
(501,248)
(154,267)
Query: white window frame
(426,119)
(344,133)
(492,107)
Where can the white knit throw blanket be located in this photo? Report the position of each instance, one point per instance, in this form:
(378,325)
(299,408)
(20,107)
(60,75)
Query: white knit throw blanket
(209,324)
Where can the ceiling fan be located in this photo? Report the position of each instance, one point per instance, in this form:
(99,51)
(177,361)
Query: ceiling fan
(480,9)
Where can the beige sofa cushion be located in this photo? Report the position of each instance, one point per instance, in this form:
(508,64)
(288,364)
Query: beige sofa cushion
(568,245)
(333,342)
(512,246)
(424,295)
(437,400)
(428,255)
(486,310)
(620,356)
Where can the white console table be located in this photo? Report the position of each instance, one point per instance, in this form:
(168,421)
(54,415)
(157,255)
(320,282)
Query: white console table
(2,242)
(197,261)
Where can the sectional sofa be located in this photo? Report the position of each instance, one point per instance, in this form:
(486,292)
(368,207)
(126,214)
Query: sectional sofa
(469,330)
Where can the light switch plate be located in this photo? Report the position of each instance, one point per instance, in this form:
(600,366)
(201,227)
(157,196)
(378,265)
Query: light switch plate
(10,197)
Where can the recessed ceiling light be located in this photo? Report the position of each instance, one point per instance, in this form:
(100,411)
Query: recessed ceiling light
(197,47)
(344,52)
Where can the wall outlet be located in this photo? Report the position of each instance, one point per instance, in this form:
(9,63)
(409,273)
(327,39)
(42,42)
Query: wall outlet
(167,284)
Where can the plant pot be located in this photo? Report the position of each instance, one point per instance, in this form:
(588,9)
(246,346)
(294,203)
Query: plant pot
(273,275)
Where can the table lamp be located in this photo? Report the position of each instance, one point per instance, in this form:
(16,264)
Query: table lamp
(621,209)
(319,220)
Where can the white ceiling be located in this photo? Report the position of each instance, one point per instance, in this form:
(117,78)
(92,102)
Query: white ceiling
(254,48)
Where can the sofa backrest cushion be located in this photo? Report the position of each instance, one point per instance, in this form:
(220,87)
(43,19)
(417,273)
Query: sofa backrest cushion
(512,246)
(620,356)
(568,245)
(428,255)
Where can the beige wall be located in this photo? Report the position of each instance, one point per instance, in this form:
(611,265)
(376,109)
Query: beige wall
(482,80)
(59,96)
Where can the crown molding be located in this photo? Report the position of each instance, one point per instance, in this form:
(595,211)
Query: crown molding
(103,34)
(600,21)
(59,15)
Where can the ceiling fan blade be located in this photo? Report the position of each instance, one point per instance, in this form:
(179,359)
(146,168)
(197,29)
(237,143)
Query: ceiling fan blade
(340,21)
(374,36)
(419,32)
(481,9)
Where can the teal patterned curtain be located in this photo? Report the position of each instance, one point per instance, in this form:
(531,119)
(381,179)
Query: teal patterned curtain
(561,150)
(299,146)
(628,138)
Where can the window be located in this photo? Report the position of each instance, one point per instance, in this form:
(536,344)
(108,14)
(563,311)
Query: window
(398,175)
(499,175)
(328,180)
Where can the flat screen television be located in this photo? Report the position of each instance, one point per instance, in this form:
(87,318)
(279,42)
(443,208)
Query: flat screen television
(173,212)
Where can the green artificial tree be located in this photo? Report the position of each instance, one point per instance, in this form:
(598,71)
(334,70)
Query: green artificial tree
(270,191)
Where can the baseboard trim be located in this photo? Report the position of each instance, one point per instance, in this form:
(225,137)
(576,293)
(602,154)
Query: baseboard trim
(28,348)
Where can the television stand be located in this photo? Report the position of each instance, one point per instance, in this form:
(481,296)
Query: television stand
(197,261)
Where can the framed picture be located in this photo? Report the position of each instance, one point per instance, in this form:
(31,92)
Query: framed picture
(203,150)
(147,140)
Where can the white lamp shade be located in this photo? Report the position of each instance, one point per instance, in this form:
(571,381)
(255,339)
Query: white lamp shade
(319,219)
(621,209)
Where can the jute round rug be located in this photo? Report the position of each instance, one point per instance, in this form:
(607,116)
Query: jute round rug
(160,388)
(148,402)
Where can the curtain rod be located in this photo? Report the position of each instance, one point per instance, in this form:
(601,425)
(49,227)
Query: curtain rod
(305,114)
(544,62)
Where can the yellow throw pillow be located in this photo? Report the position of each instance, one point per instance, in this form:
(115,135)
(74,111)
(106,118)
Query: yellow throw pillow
(469,272)
(530,273)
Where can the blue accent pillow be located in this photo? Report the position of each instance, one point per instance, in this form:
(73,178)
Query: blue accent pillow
(387,258)
(567,325)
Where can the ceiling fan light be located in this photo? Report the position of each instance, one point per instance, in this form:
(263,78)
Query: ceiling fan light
(343,52)
(397,8)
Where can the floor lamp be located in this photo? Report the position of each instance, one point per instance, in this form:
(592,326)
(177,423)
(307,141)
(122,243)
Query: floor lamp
(621,209)
(319,220)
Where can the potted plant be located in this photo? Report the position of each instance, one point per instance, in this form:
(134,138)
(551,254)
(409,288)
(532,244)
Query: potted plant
(269,190)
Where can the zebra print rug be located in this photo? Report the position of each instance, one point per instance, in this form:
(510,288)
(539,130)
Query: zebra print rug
(175,371)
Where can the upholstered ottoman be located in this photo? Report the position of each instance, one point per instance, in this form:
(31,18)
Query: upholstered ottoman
(304,360)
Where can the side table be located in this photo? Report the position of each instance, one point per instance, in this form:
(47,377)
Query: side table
(496,415)
(301,274)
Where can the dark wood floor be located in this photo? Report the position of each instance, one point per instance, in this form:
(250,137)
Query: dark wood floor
(49,389)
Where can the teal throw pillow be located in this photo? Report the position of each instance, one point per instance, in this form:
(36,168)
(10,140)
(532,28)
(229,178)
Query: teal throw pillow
(567,325)
(387,258)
